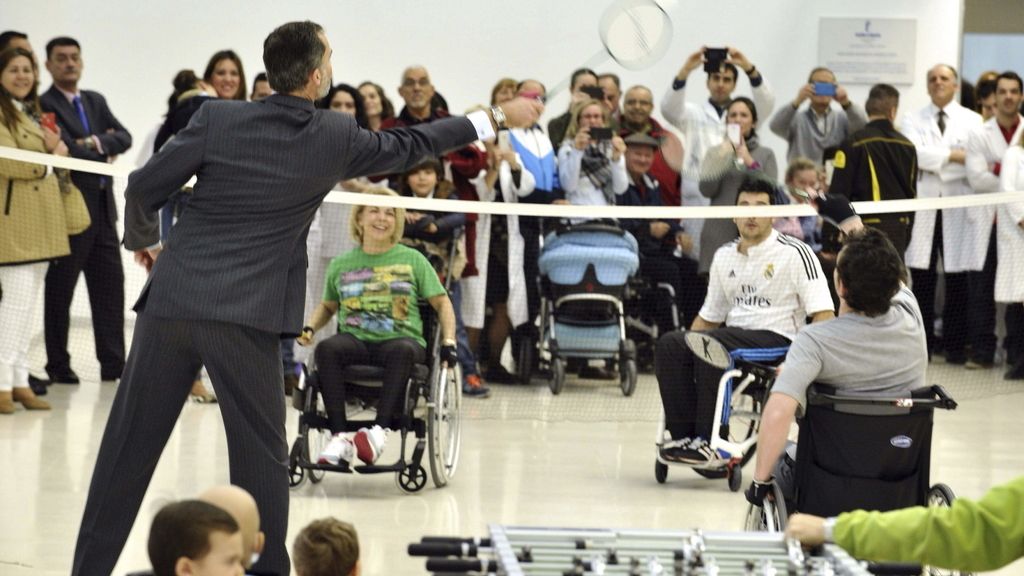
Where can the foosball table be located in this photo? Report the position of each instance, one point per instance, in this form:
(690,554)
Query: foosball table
(526,551)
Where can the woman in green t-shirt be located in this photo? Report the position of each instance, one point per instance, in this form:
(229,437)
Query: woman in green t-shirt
(375,289)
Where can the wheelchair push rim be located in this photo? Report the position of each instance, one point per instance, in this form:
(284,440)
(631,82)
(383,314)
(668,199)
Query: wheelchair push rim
(444,424)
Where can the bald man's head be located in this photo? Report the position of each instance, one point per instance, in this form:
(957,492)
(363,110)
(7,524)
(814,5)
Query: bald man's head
(242,507)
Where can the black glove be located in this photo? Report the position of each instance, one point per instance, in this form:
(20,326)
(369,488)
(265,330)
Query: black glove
(835,209)
(448,354)
(757,491)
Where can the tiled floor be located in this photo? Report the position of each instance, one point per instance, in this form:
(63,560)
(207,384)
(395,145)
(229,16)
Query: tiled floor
(584,458)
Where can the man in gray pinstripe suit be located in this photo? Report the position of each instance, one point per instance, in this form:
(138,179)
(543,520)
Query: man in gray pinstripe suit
(230,279)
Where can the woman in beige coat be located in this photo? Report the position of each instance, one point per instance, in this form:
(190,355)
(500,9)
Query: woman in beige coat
(33,229)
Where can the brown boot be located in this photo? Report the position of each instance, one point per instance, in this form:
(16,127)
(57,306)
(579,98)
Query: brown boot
(29,400)
(6,403)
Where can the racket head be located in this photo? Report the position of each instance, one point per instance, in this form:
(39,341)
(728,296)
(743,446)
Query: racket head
(636,33)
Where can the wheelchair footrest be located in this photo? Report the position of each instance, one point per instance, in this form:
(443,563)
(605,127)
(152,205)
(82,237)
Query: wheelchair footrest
(382,469)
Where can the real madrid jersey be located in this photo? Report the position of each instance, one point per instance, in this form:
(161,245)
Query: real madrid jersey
(775,286)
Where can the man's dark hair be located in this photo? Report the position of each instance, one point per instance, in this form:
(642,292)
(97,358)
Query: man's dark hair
(984,90)
(614,77)
(182,530)
(261,77)
(871,270)
(727,67)
(61,41)
(1012,76)
(290,54)
(882,100)
(580,72)
(754,184)
(8,36)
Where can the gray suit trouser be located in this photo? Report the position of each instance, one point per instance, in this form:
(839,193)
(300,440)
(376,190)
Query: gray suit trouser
(245,367)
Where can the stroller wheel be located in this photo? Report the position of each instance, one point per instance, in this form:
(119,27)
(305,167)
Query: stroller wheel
(557,376)
(628,377)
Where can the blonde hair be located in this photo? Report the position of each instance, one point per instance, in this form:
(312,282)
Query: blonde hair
(357,212)
(577,109)
(326,547)
(799,164)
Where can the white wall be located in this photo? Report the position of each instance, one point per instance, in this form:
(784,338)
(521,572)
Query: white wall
(132,49)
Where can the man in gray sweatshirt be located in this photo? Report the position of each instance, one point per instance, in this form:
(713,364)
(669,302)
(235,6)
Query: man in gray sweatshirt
(820,125)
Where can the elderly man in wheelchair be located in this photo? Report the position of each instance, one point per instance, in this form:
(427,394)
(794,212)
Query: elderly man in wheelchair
(375,290)
(761,289)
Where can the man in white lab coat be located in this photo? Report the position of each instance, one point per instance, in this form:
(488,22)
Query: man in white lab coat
(985,150)
(939,132)
(703,125)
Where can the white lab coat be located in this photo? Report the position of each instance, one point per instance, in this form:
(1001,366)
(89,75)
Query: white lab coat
(1009,234)
(702,129)
(985,147)
(940,178)
(474,288)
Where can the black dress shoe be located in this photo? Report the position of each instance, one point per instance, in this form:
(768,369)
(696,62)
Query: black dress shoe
(68,377)
(37,385)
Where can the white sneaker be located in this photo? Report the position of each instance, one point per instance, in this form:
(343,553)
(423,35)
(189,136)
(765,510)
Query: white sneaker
(370,443)
(340,448)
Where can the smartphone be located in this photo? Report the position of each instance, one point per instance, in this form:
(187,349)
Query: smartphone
(732,130)
(503,140)
(48,120)
(595,92)
(824,89)
(713,58)
(600,134)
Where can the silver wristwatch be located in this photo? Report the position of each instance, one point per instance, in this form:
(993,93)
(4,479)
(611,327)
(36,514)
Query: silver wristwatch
(499,117)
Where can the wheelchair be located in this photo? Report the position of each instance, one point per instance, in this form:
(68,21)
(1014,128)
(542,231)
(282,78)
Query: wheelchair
(431,413)
(641,326)
(871,453)
(742,392)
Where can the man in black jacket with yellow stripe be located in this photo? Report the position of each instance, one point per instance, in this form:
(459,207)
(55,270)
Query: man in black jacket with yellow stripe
(878,163)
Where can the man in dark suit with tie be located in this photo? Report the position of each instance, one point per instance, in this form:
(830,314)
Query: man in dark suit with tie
(229,282)
(91,132)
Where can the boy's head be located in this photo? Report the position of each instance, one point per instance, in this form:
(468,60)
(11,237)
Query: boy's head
(195,538)
(242,507)
(326,547)
(422,179)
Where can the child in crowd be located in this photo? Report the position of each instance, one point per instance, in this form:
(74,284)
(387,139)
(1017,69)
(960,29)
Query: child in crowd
(326,547)
(432,233)
(195,538)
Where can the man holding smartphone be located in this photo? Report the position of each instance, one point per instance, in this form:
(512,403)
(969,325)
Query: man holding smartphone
(703,125)
(821,125)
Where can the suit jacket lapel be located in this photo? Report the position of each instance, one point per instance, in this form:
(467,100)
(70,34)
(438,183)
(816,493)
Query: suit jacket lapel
(68,113)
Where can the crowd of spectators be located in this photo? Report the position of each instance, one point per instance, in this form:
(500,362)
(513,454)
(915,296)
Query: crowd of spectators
(606,149)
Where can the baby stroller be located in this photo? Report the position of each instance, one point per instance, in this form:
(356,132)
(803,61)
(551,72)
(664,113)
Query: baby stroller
(584,271)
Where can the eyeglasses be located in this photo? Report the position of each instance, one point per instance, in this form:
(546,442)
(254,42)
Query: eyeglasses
(410,82)
(634,102)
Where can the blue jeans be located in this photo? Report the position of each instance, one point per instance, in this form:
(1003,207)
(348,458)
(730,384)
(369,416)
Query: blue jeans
(467,359)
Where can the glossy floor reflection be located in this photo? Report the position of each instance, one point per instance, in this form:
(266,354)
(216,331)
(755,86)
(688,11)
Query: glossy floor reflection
(582,459)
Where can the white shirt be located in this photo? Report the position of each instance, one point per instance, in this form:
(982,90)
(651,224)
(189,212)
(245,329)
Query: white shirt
(775,286)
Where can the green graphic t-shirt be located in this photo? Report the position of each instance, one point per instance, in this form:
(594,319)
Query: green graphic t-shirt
(378,293)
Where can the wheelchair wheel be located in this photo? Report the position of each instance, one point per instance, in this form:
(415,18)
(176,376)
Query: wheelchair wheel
(660,471)
(941,496)
(444,424)
(316,441)
(412,479)
(296,474)
(628,377)
(771,517)
(557,376)
(735,477)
